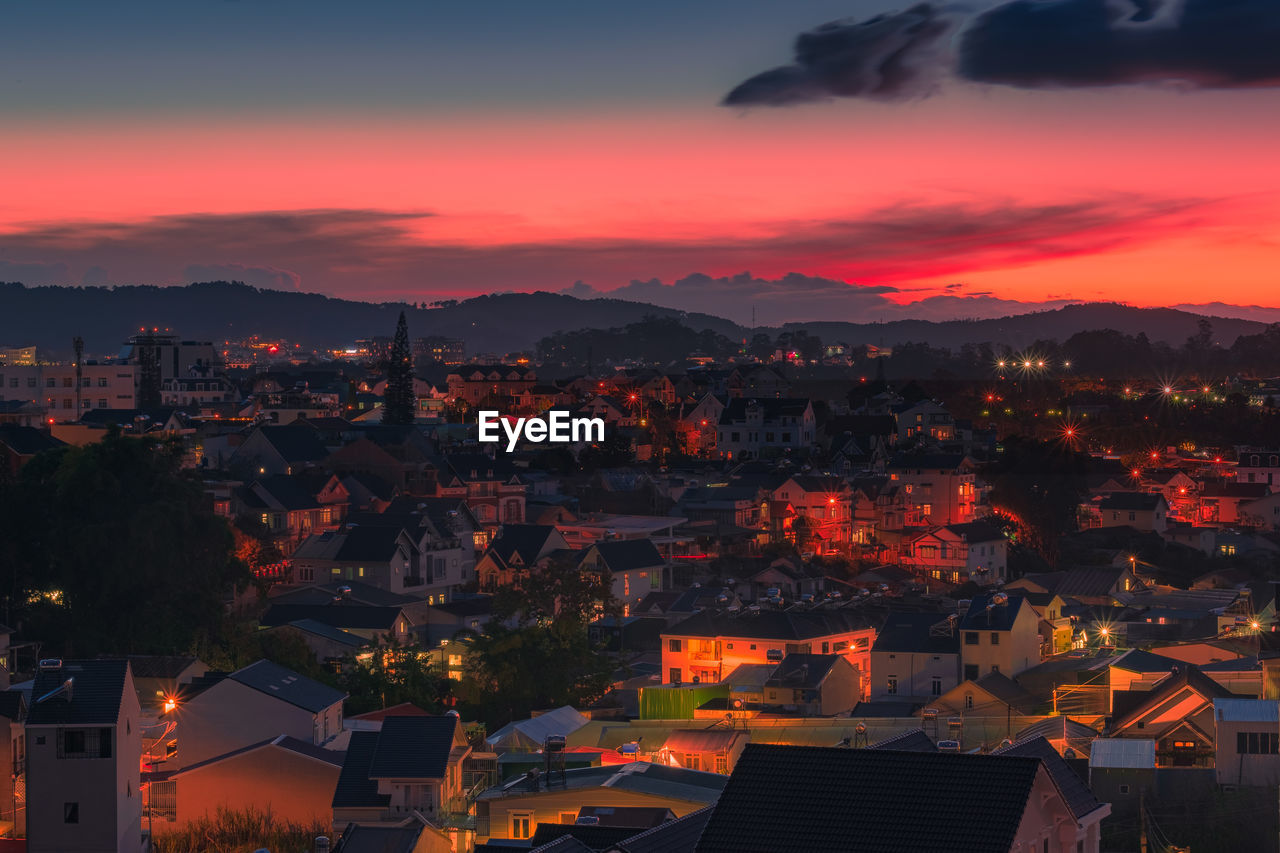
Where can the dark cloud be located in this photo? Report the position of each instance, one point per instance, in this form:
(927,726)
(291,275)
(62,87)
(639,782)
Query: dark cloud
(35,273)
(371,254)
(1206,43)
(888,57)
(1031,44)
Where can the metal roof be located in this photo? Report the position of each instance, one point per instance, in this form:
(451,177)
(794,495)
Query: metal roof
(1123,753)
(1246,710)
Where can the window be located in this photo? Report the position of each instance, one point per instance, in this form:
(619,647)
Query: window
(693,761)
(893,684)
(995,638)
(935,689)
(568,817)
(971,638)
(968,701)
(971,672)
(70,812)
(520,825)
(674,675)
(1258,743)
(1124,789)
(52,383)
(673,646)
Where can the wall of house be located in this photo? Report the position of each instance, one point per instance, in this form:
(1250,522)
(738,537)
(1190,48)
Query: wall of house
(841,690)
(94,784)
(1236,768)
(915,673)
(1017,649)
(715,658)
(230,715)
(291,787)
(1047,818)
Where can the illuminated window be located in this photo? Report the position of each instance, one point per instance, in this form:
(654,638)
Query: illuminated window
(520,824)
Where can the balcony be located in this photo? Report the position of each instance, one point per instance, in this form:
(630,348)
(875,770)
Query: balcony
(711,656)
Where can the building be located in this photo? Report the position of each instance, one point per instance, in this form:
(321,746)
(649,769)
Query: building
(67,391)
(1139,510)
(516,550)
(937,488)
(750,427)
(633,566)
(915,657)
(821,512)
(490,487)
(410,764)
(1178,714)
(714,750)
(813,686)
(383,556)
(1258,465)
(217,714)
(472,383)
(515,809)
(958,553)
(708,646)
(84,750)
(999,633)
(291,779)
(1247,741)
(821,799)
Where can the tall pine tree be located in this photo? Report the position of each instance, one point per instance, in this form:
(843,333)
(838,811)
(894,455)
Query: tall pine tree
(399,400)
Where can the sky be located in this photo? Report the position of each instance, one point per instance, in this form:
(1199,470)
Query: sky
(930,160)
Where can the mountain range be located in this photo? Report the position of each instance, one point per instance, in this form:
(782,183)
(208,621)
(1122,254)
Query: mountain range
(105,317)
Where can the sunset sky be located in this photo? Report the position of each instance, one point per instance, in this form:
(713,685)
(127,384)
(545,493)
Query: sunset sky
(958,160)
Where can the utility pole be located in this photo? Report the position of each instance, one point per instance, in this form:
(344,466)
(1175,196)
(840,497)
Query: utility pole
(1142,821)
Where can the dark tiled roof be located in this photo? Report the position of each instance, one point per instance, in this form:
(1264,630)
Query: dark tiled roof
(93,698)
(328,632)
(1136,501)
(413,747)
(622,555)
(337,615)
(355,789)
(802,671)
(910,633)
(676,836)
(1008,691)
(287,492)
(1089,580)
(27,441)
(293,744)
(358,838)
(287,685)
(295,443)
(976,531)
(913,741)
(590,837)
(12,705)
(1189,677)
(1000,617)
(525,539)
(769,625)
(879,801)
(1079,798)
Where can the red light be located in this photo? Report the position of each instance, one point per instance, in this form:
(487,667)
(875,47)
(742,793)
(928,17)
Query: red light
(1155,455)
(273,349)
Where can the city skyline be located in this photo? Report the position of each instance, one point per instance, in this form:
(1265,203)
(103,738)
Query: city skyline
(423,154)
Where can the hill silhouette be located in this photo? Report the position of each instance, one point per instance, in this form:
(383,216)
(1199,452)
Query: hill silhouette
(50,316)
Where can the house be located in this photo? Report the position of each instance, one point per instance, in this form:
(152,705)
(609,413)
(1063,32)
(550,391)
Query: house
(822,517)
(750,427)
(287,511)
(412,838)
(221,713)
(491,487)
(516,550)
(515,809)
(813,685)
(444,546)
(696,426)
(708,646)
(633,566)
(291,779)
(1227,503)
(820,799)
(1247,741)
(999,633)
(380,555)
(989,696)
(372,623)
(757,381)
(1258,465)
(472,383)
(13,744)
(713,750)
(1083,803)
(1093,585)
(411,764)
(274,450)
(1177,713)
(958,553)
(925,419)
(83,752)
(1057,632)
(1139,510)
(1122,771)
(915,657)
(937,488)
(18,444)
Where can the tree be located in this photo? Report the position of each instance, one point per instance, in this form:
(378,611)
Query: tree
(399,400)
(393,675)
(120,550)
(537,652)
